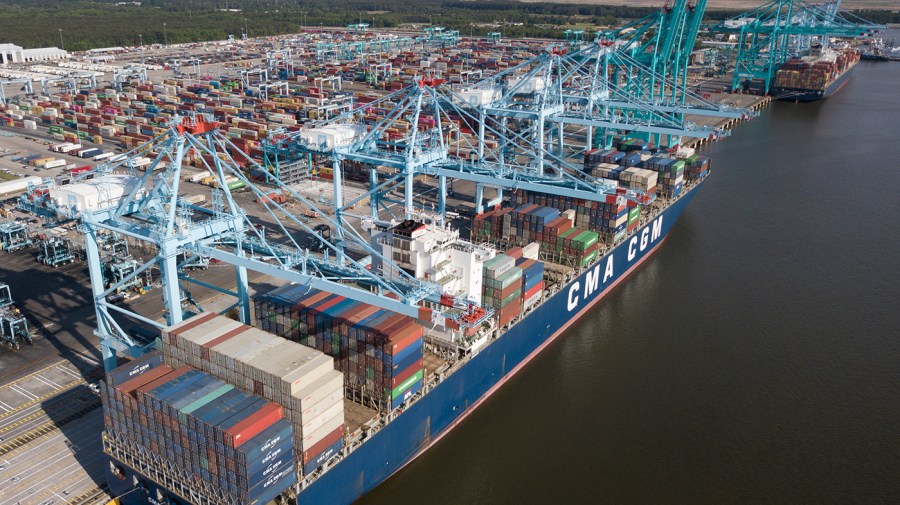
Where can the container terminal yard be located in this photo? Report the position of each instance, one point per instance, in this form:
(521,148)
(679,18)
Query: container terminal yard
(260,270)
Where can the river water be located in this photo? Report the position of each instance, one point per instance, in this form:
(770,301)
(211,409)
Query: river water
(754,359)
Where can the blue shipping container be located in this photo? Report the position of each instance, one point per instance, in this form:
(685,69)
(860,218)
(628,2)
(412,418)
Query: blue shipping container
(322,457)
(407,395)
(133,368)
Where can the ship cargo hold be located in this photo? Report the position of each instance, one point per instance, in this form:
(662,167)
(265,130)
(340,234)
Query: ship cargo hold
(814,77)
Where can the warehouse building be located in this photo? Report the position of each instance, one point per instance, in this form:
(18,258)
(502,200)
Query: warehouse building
(11,53)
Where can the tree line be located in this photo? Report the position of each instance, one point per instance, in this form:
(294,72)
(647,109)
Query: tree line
(103,23)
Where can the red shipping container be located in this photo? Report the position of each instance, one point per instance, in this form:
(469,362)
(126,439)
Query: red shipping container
(222,338)
(514,252)
(151,375)
(174,374)
(326,442)
(253,425)
(399,377)
(404,338)
(508,313)
(537,288)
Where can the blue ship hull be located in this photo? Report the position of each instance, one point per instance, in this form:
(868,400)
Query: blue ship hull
(811,95)
(424,423)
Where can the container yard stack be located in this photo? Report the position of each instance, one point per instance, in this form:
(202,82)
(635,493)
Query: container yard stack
(301,380)
(378,351)
(503,287)
(207,441)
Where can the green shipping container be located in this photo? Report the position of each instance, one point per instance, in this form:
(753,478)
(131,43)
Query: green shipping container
(499,304)
(561,239)
(408,383)
(55,129)
(589,258)
(634,214)
(585,240)
(507,279)
(233,185)
(677,167)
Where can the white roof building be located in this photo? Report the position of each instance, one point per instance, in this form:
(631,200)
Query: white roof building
(11,53)
(94,194)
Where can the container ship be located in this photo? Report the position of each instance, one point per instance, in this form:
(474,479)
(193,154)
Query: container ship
(816,76)
(323,398)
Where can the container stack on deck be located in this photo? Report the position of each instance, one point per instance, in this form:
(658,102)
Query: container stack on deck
(378,351)
(816,75)
(208,438)
(531,222)
(671,175)
(502,287)
(301,380)
(532,281)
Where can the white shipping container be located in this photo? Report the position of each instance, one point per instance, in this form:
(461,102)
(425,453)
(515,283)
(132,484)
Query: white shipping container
(55,164)
(17,185)
(197,176)
(310,438)
(532,250)
(103,156)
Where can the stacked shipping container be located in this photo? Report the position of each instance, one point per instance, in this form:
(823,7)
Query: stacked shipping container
(671,175)
(502,287)
(301,380)
(815,74)
(379,352)
(207,429)
(532,281)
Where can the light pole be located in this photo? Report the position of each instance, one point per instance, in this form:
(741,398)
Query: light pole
(165,36)
(62,45)
(140,36)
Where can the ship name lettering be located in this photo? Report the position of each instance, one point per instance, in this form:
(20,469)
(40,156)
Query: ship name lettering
(648,235)
(573,297)
(657,229)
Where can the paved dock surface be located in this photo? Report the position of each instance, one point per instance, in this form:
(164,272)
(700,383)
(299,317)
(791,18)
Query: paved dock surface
(50,450)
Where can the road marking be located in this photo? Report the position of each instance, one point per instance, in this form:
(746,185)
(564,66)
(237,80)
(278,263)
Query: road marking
(26,394)
(39,371)
(42,398)
(5,407)
(89,495)
(15,444)
(73,374)
(46,381)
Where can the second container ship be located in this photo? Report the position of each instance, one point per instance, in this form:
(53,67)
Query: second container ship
(819,75)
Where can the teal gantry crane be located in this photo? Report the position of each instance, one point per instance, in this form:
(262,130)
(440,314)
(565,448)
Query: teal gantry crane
(782,29)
